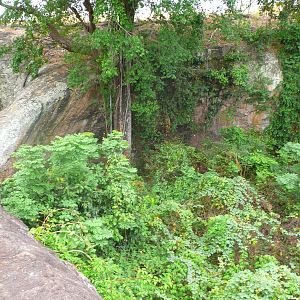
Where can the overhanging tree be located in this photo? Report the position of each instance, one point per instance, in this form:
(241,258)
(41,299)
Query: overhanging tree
(107,49)
(100,53)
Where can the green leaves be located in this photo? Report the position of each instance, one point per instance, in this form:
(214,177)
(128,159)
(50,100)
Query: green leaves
(198,226)
(285,120)
(289,178)
(268,282)
(166,73)
(184,234)
(64,175)
(68,232)
(27,55)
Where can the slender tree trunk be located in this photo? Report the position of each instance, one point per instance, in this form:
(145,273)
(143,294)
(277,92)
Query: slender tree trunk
(122,109)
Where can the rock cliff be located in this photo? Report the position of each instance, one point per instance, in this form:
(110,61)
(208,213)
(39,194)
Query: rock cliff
(35,111)
(237,110)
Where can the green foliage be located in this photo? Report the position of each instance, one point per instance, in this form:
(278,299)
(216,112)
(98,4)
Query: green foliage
(241,153)
(70,234)
(235,135)
(240,75)
(223,237)
(286,117)
(220,75)
(289,181)
(208,195)
(63,175)
(289,178)
(283,10)
(261,164)
(88,70)
(202,222)
(151,276)
(185,234)
(233,26)
(27,55)
(146,115)
(171,160)
(270,281)
(165,78)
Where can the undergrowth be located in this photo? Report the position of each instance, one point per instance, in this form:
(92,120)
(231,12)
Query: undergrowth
(200,224)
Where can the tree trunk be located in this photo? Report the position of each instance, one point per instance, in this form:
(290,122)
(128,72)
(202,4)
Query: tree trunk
(122,109)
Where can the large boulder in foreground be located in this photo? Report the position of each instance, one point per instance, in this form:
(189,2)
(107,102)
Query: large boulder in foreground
(29,271)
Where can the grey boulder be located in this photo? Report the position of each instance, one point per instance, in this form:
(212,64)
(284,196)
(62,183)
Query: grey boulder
(29,271)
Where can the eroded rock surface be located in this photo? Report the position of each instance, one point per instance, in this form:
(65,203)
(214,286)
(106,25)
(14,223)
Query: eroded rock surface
(17,118)
(242,113)
(236,110)
(35,111)
(29,271)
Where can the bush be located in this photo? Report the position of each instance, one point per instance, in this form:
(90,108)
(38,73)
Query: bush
(184,235)
(270,281)
(290,177)
(74,173)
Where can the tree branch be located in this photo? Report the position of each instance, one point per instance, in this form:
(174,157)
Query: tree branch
(78,16)
(28,10)
(89,8)
(7,6)
(54,34)
(57,37)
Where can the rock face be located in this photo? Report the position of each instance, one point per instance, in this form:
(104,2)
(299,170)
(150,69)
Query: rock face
(35,111)
(237,111)
(248,115)
(29,271)
(23,111)
(8,91)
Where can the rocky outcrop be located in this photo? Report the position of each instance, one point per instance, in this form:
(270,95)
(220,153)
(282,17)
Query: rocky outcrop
(29,271)
(23,111)
(239,112)
(35,111)
(236,110)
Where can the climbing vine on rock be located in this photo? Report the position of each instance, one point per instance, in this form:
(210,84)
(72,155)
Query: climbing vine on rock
(285,121)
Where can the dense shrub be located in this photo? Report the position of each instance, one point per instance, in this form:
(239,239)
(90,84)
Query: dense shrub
(184,235)
(74,173)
